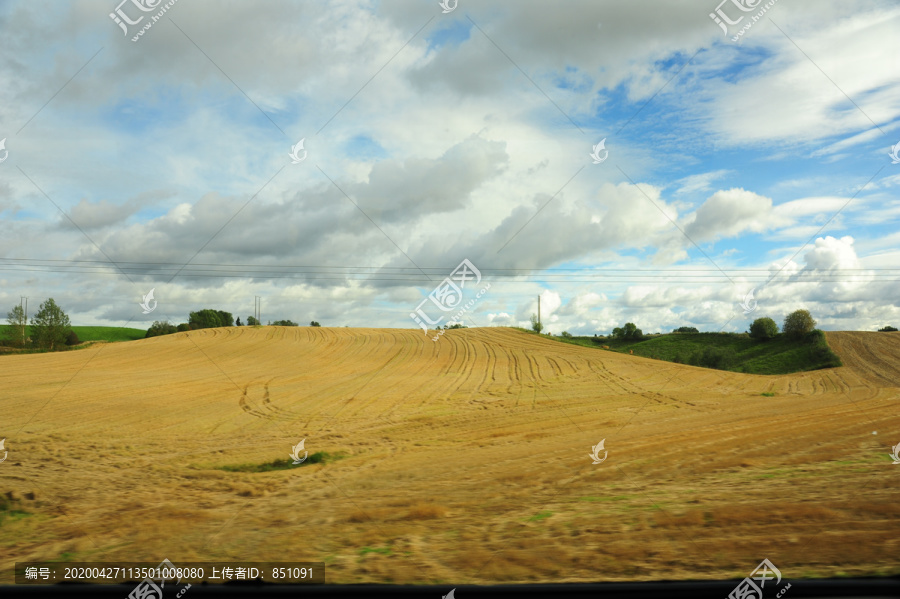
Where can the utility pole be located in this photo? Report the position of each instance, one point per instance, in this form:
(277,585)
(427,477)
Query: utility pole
(540,328)
(26,317)
(257,308)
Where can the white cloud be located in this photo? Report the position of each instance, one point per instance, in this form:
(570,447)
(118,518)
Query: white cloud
(699,182)
(447,147)
(728,213)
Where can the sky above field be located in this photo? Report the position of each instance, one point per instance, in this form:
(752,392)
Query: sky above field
(733,160)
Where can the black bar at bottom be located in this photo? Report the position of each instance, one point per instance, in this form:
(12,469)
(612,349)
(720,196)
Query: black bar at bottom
(868,588)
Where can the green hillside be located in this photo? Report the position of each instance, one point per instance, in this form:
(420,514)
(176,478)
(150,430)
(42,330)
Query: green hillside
(774,356)
(92,333)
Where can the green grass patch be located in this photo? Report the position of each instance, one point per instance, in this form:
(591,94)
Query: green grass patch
(88,333)
(109,333)
(540,516)
(381,550)
(320,457)
(780,355)
(767,394)
(10,514)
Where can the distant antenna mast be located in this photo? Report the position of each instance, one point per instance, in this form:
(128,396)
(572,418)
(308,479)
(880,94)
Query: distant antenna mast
(539,316)
(257,308)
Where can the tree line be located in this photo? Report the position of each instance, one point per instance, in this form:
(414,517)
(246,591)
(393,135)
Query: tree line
(209,319)
(50,327)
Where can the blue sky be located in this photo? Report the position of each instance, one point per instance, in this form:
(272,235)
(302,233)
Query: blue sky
(432,138)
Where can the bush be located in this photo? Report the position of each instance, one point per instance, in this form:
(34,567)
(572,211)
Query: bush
(763,328)
(798,324)
(566,335)
(72,339)
(183,327)
(252,321)
(686,330)
(313,323)
(284,323)
(160,327)
(714,357)
(887,329)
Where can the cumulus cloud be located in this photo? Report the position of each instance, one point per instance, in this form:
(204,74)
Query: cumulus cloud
(406,190)
(830,254)
(434,138)
(729,213)
(96,215)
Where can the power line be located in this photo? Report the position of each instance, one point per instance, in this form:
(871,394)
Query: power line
(696,279)
(436,268)
(409,275)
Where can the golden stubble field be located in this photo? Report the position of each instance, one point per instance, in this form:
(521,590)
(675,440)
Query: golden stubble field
(467,459)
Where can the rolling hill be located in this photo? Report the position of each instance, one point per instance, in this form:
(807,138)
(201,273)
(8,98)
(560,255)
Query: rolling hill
(463,460)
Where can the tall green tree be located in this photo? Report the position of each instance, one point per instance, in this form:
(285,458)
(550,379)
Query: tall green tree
(763,328)
(208,319)
(18,322)
(50,325)
(535,325)
(798,323)
(629,331)
(252,321)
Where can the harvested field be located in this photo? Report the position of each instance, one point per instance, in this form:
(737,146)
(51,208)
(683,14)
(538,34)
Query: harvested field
(464,460)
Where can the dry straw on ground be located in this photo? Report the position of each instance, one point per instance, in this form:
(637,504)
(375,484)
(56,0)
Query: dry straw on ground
(466,459)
